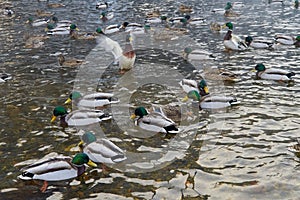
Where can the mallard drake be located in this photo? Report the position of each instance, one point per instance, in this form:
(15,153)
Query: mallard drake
(56,169)
(37,22)
(197,21)
(179,20)
(286,39)
(78,117)
(197,54)
(190,85)
(233,42)
(222,10)
(258,43)
(130,26)
(60,29)
(185,9)
(111,29)
(125,57)
(273,74)
(156,20)
(4,77)
(155,121)
(94,100)
(55,23)
(211,101)
(217,74)
(295,148)
(101,5)
(105,16)
(69,62)
(101,150)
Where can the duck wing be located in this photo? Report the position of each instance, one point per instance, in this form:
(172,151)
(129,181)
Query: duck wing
(104,151)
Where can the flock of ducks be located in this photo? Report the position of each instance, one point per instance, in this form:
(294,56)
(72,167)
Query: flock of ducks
(90,107)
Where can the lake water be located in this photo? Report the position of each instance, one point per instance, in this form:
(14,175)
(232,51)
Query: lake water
(237,153)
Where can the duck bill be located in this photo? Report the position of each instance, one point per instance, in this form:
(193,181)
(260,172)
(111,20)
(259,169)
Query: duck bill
(80,144)
(185,99)
(253,70)
(224,26)
(53,118)
(133,116)
(206,89)
(77,29)
(92,164)
(68,101)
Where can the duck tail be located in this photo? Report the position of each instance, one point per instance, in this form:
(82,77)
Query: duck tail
(289,75)
(234,102)
(171,129)
(105,117)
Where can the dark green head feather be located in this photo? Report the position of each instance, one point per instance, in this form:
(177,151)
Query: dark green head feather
(260,67)
(140,111)
(229,25)
(73,26)
(75,95)
(88,137)
(80,159)
(60,111)
(194,95)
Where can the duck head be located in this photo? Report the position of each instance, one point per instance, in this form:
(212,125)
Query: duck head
(260,67)
(58,111)
(248,40)
(140,112)
(73,96)
(99,30)
(193,94)
(229,25)
(228,6)
(203,88)
(81,159)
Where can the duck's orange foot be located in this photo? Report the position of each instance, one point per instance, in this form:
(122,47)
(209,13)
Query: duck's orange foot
(44,187)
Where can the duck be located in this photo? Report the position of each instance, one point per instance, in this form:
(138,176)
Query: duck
(222,10)
(273,74)
(153,13)
(218,74)
(105,16)
(57,168)
(185,9)
(114,28)
(62,29)
(4,77)
(55,23)
(214,26)
(190,85)
(37,22)
(154,122)
(258,43)
(211,101)
(128,27)
(285,39)
(101,150)
(55,5)
(42,13)
(125,57)
(8,12)
(295,148)
(233,42)
(197,21)
(156,20)
(35,41)
(81,36)
(101,5)
(179,20)
(94,100)
(68,62)
(197,54)
(78,117)
(171,111)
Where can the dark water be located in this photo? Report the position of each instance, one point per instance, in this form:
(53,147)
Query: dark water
(239,153)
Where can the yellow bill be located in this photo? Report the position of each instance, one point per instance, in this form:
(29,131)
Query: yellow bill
(92,164)
(68,101)
(132,116)
(185,99)
(53,118)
